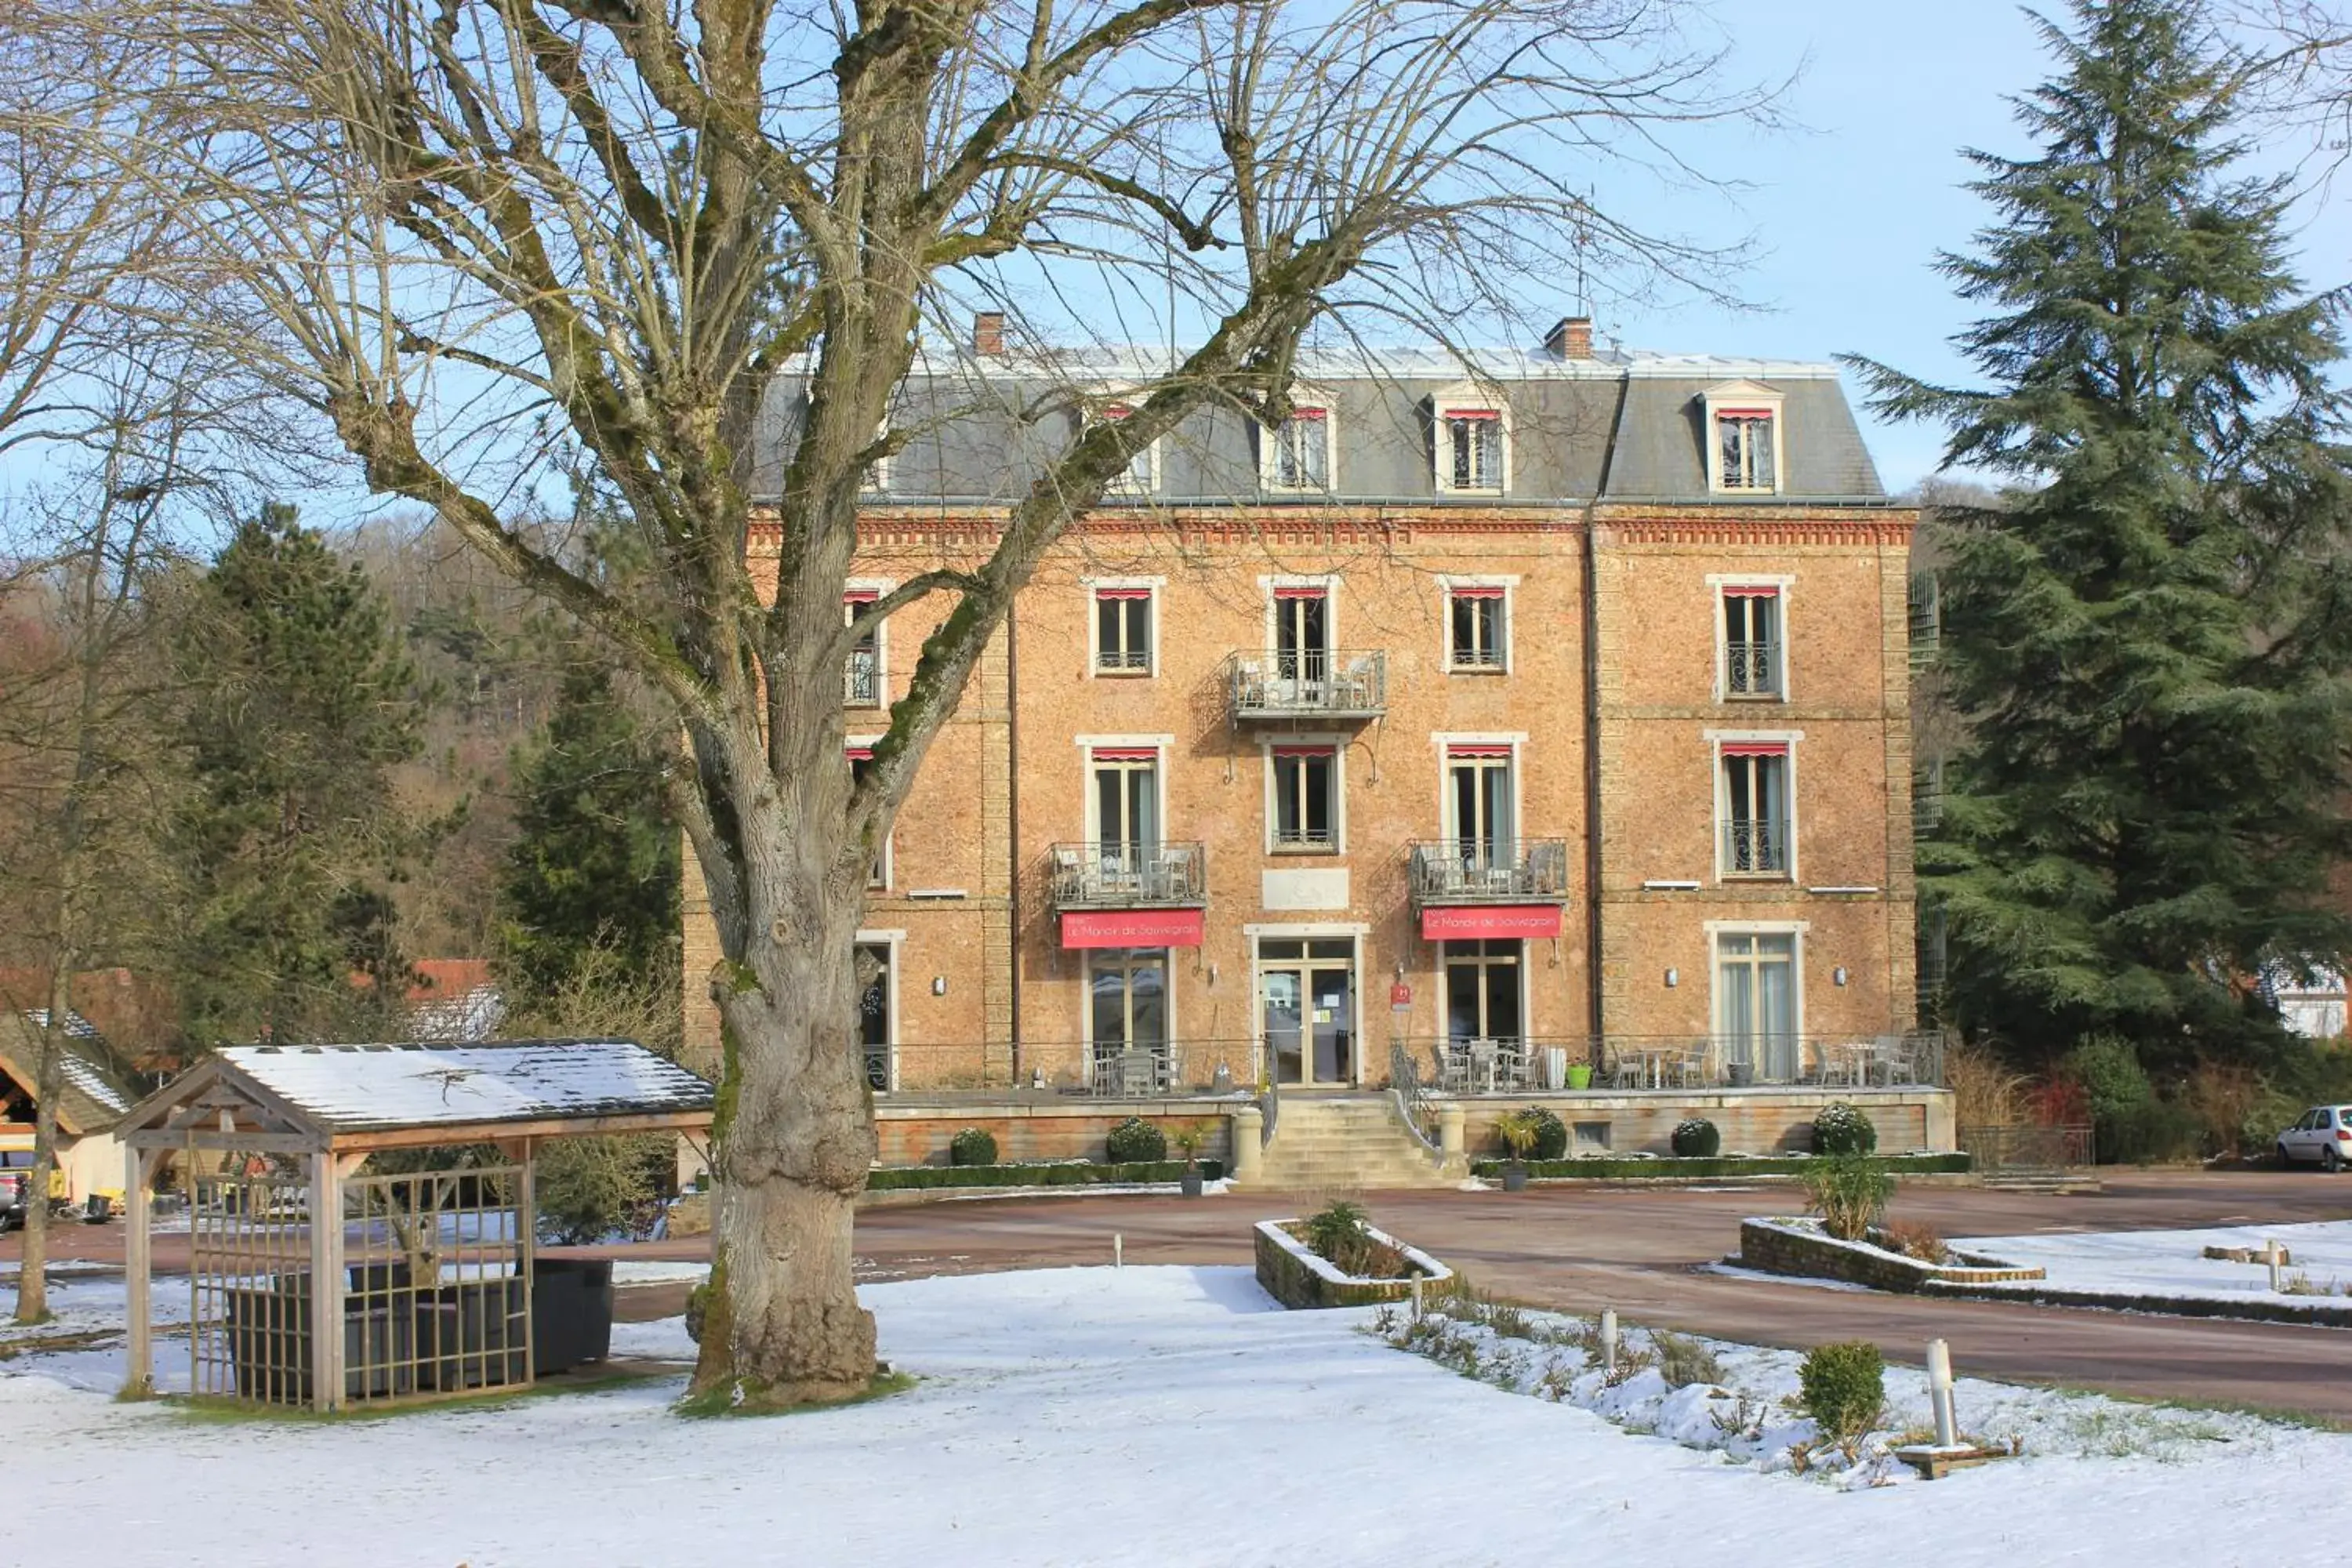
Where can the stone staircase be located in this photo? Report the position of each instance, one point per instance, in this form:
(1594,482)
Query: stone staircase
(1346,1142)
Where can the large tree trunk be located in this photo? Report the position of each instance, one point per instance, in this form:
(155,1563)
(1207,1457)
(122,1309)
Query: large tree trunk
(795,1139)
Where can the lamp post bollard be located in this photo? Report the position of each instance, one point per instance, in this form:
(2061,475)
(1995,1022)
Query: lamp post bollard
(1939,1393)
(1609,1341)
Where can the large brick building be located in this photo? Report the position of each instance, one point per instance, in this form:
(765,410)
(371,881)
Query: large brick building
(1552,717)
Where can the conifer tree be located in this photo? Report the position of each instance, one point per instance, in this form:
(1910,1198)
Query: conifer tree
(301,701)
(592,879)
(2148,639)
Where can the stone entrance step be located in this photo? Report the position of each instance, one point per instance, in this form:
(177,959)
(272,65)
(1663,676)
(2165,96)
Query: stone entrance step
(1346,1142)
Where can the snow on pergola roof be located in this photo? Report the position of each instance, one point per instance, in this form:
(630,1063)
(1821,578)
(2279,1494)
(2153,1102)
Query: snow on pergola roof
(393,1095)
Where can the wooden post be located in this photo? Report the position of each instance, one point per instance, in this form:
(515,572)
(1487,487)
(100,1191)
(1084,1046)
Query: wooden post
(527,1251)
(327,1368)
(138,1216)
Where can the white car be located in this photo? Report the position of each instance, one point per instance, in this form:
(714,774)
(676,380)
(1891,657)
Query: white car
(2324,1137)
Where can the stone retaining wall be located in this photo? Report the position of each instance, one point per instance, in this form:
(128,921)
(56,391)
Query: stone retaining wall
(1300,1279)
(1788,1246)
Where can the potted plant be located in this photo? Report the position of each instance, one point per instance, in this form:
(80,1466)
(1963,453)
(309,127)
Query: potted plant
(1186,1140)
(1518,1130)
(1579,1075)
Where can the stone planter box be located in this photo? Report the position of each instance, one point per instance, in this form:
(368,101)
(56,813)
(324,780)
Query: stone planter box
(1299,1279)
(1799,1247)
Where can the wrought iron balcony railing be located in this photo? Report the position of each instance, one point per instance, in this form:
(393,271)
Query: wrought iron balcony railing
(861,680)
(1489,870)
(1752,669)
(1755,848)
(1128,876)
(1317,683)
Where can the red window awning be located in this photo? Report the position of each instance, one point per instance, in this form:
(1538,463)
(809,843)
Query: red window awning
(1755,748)
(861,595)
(1131,928)
(1126,754)
(1474,414)
(1751,591)
(1122,593)
(1476,592)
(1743,414)
(1477,750)
(1305,415)
(1466,923)
(1299,593)
(1304,751)
(859,753)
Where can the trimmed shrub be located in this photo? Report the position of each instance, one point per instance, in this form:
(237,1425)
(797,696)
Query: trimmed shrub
(973,1146)
(1631,1168)
(1849,1192)
(1698,1139)
(1842,1387)
(1136,1142)
(1059,1174)
(1551,1135)
(1841,1129)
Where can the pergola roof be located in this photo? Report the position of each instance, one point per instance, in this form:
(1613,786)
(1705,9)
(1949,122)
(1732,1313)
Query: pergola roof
(349,1098)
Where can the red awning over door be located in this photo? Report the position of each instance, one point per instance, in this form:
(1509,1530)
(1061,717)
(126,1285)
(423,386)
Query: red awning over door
(1131,928)
(1472,923)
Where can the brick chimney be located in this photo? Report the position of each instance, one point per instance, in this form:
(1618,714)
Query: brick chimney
(1572,339)
(988,333)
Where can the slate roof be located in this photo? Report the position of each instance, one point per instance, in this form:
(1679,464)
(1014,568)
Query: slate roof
(95,1095)
(1621,426)
(364,1088)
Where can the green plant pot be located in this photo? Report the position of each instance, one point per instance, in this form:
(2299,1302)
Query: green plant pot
(1515,1177)
(1579,1075)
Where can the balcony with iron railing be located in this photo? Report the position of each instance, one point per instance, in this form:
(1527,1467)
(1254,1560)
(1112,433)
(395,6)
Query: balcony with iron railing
(1319,683)
(1755,848)
(861,680)
(1752,669)
(1489,871)
(1128,876)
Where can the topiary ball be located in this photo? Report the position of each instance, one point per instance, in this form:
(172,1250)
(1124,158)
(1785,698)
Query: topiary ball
(1698,1139)
(973,1146)
(1135,1142)
(1551,1135)
(1841,1129)
(1842,1387)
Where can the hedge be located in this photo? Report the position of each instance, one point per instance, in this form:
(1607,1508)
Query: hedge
(1624,1169)
(1065,1173)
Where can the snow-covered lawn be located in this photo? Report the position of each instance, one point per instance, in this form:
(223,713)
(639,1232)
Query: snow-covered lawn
(2172,1262)
(1151,1416)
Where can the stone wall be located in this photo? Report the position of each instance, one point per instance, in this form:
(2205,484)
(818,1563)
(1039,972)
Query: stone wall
(1752,1122)
(1047,1129)
(1291,1276)
(1784,1246)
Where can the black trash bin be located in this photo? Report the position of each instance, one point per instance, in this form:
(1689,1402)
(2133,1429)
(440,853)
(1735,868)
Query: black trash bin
(270,1345)
(570,1312)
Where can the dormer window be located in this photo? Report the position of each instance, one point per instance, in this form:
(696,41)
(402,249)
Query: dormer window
(1141,476)
(1743,424)
(1473,442)
(1296,455)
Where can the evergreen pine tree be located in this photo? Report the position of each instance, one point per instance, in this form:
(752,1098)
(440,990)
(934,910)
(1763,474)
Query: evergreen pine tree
(301,701)
(2148,639)
(592,879)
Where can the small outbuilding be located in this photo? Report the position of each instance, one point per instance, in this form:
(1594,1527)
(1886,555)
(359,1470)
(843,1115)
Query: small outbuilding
(317,1281)
(92,1098)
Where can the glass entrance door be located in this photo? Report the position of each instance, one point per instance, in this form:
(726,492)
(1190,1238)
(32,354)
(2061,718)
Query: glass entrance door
(1756,1004)
(874,1030)
(1302,649)
(1307,993)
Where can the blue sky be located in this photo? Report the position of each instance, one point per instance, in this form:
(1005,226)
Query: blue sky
(1850,211)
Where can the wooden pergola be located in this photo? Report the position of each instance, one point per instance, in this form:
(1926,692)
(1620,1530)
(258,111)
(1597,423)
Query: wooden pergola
(312,1284)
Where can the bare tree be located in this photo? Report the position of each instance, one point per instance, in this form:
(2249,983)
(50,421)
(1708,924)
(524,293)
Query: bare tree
(466,230)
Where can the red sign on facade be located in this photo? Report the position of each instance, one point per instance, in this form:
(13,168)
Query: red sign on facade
(1399,996)
(1489,922)
(1131,928)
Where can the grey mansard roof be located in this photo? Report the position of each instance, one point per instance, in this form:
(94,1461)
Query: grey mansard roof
(1617,426)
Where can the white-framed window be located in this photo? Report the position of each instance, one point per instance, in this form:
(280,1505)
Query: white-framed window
(1756,812)
(1305,800)
(878,1009)
(1128,1010)
(1751,639)
(1758,997)
(1471,441)
(1124,799)
(1745,439)
(865,677)
(1124,634)
(877,472)
(1482,801)
(1142,477)
(1299,456)
(1477,625)
(859,750)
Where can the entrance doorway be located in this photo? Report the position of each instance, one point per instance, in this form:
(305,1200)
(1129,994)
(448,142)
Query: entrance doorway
(1307,1001)
(875,1030)
(1755,1003)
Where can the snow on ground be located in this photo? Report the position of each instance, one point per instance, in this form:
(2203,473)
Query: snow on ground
(1151,1416)
(2172,1262)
